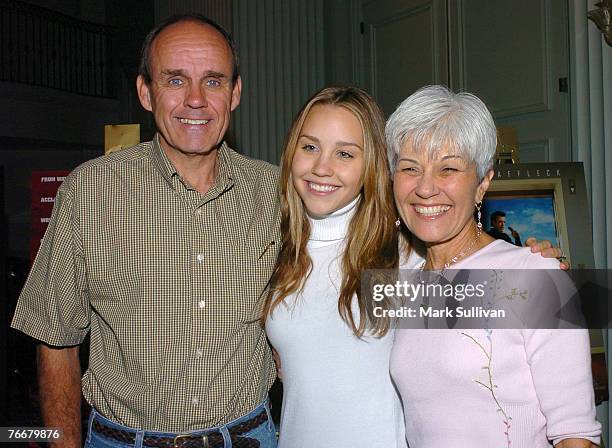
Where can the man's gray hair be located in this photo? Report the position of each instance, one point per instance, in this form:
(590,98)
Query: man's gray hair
(434,117)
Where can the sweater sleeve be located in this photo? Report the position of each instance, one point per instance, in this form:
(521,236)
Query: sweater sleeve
(560,365)
(560,362)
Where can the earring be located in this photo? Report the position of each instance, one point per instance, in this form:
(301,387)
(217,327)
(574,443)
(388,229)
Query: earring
(479,223)
(398,222)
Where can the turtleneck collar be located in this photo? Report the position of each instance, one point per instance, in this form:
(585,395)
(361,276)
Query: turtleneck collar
(333,227)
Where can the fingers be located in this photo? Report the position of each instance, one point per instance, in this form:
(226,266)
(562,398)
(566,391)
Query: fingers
(277,361)
(541,246)
(548,251)
(551,252)
(564,265)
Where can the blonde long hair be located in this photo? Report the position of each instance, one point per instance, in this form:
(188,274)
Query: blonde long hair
(372,237)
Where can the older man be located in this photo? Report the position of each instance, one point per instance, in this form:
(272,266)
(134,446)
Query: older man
(162,252)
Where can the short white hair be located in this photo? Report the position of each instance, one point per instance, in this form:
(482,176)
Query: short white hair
(433,117)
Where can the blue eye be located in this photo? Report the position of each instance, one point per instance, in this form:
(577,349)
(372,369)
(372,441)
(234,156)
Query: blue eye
(213,83)
(345,155)
(175,82)
(309,147)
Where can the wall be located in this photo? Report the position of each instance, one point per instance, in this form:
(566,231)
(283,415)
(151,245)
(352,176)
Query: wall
(89,10)
(33,112)
(592,109)
(342,42)
(131,21)
(20,157)
(44,128)
(281,49)
(218,10)
(591,65)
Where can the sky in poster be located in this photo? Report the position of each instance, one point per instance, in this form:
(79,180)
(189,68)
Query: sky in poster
(530,216)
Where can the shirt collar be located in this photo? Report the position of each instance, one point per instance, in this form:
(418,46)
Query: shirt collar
(161,161)
(225,175)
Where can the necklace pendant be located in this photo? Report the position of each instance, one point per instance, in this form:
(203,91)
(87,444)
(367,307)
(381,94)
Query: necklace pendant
(461,254)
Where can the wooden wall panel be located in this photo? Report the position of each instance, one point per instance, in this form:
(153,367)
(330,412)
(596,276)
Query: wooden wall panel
(282,63)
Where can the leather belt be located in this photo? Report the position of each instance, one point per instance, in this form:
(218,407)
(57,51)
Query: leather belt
(212,439)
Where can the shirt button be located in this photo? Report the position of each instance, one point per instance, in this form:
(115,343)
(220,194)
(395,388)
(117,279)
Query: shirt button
(198,212)
(201,304)
(199,353)
(194,401)
(200,257)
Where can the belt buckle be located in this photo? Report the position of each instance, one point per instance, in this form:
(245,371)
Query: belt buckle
(177,444)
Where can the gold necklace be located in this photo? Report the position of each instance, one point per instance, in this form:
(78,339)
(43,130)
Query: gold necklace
(460,255)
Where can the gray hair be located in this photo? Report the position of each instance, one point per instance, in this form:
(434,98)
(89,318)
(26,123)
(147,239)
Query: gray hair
(434,116)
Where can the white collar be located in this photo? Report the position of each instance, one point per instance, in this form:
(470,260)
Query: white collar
(334,226)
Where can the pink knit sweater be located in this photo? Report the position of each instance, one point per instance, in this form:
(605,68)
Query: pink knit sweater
(495,388)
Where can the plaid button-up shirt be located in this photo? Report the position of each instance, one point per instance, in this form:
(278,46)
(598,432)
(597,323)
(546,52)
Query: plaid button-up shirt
(169,283)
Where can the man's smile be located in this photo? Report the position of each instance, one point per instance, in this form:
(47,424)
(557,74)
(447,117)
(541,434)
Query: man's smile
(192,121)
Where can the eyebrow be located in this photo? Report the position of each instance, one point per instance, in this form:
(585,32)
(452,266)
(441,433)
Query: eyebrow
(213,74)
(405,159)
(180,72)
(338,143)
(170,72)
(450,156)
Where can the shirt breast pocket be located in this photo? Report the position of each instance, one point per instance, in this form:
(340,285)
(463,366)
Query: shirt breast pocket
(254,270)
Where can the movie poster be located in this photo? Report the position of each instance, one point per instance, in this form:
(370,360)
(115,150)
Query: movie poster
(44,189)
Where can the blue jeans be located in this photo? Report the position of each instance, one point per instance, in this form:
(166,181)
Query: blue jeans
(264,433)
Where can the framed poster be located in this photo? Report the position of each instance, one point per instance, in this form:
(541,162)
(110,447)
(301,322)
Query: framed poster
(44,188)
(546,201)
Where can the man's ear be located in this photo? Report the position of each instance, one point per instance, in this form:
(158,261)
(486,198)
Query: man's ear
(236,92)
(484,185)
(144,93)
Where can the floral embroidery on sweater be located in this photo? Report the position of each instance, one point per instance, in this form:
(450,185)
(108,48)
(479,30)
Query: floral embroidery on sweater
(488,383)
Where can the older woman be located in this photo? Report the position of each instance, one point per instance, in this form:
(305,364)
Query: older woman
(475,388)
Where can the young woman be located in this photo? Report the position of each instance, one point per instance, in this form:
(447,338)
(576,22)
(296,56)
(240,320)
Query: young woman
(338,219)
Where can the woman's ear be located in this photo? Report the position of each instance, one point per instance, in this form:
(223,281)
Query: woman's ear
(484,185)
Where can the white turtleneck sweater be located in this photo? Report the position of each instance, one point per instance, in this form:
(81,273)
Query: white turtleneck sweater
(337,388)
